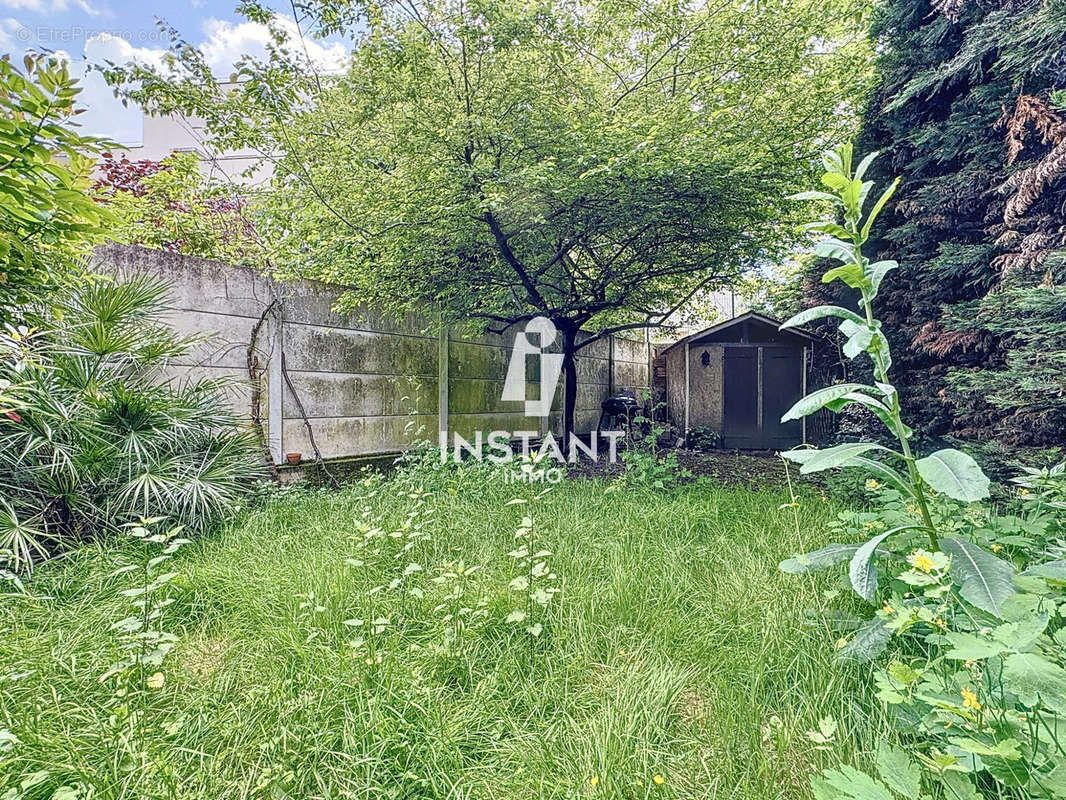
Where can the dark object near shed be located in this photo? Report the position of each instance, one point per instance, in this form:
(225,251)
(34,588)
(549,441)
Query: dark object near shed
(617,413)
(738,378)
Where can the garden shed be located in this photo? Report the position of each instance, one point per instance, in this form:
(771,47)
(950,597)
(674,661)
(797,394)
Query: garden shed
(737,379)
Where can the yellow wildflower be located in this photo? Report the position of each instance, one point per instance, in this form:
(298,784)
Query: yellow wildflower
(1023,491)
(872,483)
(659,780)
(969,699)
(594,780)
(156,681)
(888,609)
(996,547)
(923,562)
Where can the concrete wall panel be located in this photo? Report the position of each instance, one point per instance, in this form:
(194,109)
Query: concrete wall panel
(470,360)
(196,283)
(675,384)
(321,349)
(475,395)
(364,379)
(235,385)
(326,394)
(345,436)
(630,375)
(227,342)
(630,350)
(313,303)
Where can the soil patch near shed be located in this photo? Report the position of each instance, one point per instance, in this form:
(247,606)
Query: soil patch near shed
(727,467)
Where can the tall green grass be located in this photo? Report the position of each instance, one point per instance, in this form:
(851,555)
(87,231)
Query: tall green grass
(675,663)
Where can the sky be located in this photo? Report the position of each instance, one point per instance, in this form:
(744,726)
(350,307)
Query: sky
(120,30)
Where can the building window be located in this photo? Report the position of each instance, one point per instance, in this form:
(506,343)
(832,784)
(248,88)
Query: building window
(705,359)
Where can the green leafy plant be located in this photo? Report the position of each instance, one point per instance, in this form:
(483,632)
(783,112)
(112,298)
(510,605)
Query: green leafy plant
(947,471)
(101,436)
(170,205)
(143,644)
(48,221)
(1046,485)
(974,600)
(646,463)
(132,723)
(143,641)
(459,612)
(395,552)
(535,582)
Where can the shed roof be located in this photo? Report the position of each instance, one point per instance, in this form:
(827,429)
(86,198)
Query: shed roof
(755,316)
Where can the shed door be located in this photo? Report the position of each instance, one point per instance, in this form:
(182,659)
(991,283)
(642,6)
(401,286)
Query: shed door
(782,386)
(761,384)
(740,413)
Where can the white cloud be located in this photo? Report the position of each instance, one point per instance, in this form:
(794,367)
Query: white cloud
(104,113)
(108,47)
(226,42)
(10,35)
(52,6)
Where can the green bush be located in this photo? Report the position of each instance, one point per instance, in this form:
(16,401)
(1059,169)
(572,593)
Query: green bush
(94,436)
(48,221)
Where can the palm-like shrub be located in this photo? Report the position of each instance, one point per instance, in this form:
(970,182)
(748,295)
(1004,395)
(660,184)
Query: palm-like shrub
(93,434)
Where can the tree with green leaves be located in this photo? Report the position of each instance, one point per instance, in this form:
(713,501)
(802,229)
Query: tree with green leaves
(596,165)
(48,221)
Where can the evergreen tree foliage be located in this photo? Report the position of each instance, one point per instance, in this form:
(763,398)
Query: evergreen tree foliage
(970,112)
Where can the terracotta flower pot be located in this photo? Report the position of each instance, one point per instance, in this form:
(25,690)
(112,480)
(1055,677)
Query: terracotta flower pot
(293,458)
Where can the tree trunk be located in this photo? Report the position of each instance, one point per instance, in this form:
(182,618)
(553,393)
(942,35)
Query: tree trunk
(569,340)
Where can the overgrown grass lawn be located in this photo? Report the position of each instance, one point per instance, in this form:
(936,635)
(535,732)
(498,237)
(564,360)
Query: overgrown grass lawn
(673,663)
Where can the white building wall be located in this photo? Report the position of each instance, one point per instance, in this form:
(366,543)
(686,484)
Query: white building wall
(170,133)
